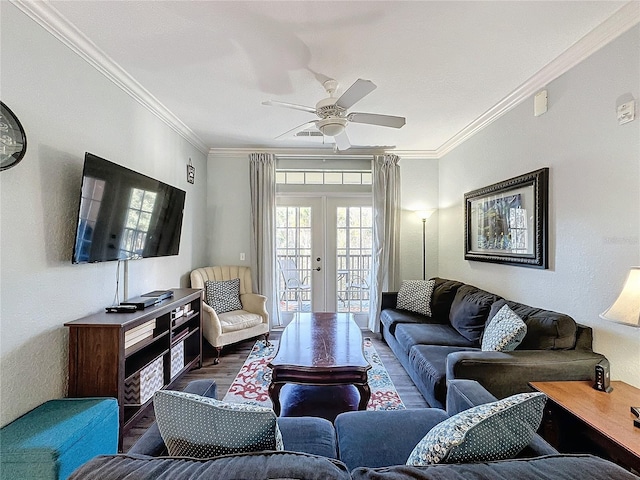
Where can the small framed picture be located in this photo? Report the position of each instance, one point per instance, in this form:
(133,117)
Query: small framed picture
(191,173)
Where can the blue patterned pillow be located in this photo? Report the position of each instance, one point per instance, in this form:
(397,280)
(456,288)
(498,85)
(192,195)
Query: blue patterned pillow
(223,296)
(504,332)
(203,427)
(493,431)
(415,296)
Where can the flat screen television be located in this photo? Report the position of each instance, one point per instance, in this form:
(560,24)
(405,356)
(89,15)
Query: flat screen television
(125,215)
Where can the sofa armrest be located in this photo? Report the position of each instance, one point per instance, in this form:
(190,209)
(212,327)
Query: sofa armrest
(389,300)
(464,394)
(151,443)
(255,303)
(380,438)
(212,328)
(507,373)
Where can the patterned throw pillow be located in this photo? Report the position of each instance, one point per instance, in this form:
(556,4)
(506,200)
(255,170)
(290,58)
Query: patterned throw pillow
(415,296)
(493,431)
(203,427)
(223,296)
(504,332)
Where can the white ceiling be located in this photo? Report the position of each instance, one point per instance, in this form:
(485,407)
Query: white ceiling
(441,64)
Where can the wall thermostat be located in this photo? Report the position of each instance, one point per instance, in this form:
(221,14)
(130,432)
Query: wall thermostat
(626,112)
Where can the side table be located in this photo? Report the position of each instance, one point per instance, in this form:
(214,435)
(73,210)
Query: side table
(580,419)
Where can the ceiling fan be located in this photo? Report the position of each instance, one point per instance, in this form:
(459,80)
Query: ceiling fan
(333,115)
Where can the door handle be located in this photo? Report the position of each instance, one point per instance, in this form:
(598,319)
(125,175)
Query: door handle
(317,269)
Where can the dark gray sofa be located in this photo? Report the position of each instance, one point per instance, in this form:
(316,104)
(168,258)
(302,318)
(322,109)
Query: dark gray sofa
(446,346)
(362,445)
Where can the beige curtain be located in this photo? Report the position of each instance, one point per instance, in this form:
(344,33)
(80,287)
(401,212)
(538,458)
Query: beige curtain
(385,273)
(262,177)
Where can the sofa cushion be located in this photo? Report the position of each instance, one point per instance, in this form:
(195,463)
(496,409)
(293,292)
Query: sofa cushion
(470,310)
(238,320)
(415,296)
(410,334)
(492,431)
(430,363)
(376,438)
(444,291)
(546,329)
(504,331)
(223,296)
(391,318)
(550,467)
(254,466)
(201,427)
(311,435)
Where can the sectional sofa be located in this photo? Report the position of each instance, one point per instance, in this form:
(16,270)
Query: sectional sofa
(447,345)
(362,445)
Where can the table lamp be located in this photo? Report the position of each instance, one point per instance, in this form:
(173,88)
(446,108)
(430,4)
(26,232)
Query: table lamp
(626,308)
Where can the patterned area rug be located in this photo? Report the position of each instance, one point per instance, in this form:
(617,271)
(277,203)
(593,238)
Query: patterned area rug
(252,382)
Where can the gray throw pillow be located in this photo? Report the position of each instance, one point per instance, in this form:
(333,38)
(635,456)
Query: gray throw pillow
(493,431)
(223,296)
(415,296)
(504,332)
(203,427)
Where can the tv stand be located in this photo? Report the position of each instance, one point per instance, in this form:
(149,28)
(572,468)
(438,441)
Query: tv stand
(136,353)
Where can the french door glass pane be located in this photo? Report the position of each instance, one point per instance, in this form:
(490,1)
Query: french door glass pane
(293,253)
(354,234)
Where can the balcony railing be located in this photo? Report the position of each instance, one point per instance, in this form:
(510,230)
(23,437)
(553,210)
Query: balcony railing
(352,282)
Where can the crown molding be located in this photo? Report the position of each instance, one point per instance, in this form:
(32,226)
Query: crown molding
(622,20)
(48,17)
(321,152)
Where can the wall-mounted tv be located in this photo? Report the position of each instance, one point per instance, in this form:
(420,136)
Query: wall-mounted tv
(125,215)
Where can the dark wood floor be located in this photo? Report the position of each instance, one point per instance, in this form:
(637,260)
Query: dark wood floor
(234,356)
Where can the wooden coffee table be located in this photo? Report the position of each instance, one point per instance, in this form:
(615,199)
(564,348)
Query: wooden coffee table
(320,349)
(579,419)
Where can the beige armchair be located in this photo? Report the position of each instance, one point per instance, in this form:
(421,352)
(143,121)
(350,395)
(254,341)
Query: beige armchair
(231,327)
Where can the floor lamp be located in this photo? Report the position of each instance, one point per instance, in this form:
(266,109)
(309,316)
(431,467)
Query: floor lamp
(423,215)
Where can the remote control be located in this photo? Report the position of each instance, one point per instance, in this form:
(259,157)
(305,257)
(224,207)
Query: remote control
(121,309)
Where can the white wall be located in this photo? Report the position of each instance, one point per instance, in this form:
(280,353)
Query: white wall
(67,108)
(419,191)
(229,209)
(594,221)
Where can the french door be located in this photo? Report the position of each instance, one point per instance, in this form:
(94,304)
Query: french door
(323,254)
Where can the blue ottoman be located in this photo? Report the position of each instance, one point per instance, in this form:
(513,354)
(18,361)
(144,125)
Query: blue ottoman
(52,440)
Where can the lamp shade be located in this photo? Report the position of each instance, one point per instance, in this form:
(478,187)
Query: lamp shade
(424,214)
(626,308)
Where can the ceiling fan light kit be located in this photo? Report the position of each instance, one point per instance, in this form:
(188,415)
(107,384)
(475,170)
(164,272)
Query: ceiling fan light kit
(333,116)
(332,126)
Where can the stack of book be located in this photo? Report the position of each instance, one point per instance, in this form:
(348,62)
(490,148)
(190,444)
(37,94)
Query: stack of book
(139,333)
(180,313)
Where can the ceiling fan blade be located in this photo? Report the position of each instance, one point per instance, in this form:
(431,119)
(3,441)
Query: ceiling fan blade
(275,103)
(297,129)
(356,92)
(376,119)
(342,141)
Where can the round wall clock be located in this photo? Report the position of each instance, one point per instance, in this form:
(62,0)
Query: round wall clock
(13,141)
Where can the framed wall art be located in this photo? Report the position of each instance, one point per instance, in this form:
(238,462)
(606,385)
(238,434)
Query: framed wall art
(507,222)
